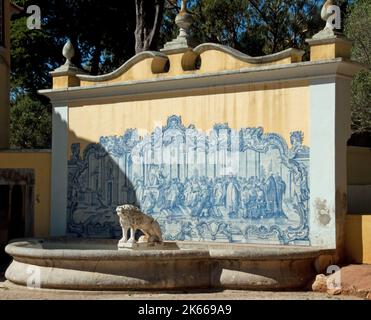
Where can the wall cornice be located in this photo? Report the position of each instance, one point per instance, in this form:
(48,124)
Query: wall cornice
(99,93)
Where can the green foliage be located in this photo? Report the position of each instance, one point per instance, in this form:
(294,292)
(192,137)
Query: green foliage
(256,27)
(361,102)
(358,26)
(30,124)
(102,33)
(34,54)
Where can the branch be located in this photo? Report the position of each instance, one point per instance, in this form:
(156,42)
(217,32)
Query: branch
(172,5)
(157,21)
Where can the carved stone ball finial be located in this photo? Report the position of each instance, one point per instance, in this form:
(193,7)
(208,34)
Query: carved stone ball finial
(68,52)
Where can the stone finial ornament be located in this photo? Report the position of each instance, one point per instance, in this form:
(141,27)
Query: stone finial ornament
(184,21)
(68,68)
(131,218)
(325,15)
(328,16)
(68,52)
(330,35)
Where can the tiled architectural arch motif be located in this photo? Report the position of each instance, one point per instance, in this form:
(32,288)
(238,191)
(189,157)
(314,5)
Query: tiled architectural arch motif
(224,185)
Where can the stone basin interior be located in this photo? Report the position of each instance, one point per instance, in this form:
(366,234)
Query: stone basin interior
(96,264)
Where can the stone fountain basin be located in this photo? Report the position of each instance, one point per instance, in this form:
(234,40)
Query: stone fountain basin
(77,264)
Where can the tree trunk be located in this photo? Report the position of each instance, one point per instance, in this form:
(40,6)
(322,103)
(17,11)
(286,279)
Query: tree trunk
(149,18)
(95,60)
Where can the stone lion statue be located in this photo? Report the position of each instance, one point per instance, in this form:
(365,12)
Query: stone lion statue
(132,218)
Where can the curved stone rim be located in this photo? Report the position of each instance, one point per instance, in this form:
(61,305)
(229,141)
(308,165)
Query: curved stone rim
(194,265)
(25,249)
(198,51)
(28,248)
(246,58)
(124,68)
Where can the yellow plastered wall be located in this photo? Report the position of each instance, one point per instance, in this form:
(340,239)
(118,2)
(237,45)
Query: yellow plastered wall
(278,108)
(358,238)
(320,52)
(65,82)
(140,71)
(40,162)
(216,61)
(330,50)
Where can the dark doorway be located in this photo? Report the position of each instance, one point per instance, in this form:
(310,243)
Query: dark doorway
(16,208)
(17,213)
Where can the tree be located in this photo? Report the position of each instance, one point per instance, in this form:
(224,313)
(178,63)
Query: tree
(358,26)
(104,33)
(256,27)
(101,42)
(102,45)
(31,125)
(34,54)
(107,33)
(149,15)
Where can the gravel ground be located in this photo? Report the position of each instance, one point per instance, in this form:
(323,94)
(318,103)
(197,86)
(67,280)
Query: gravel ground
(10,291)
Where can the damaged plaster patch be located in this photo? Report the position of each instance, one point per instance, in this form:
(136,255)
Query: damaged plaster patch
(322,212)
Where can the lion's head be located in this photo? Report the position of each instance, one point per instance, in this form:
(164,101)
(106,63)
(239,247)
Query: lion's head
(126,208)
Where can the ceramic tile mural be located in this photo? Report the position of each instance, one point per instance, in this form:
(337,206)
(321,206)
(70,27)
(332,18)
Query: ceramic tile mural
(225,185)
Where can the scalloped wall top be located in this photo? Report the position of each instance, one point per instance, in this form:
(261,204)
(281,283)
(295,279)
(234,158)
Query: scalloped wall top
(204,59)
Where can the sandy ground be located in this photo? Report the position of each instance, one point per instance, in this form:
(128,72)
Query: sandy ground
(10,291)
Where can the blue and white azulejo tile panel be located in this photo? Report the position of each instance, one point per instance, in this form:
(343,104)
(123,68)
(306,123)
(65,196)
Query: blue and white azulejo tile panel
(225,185)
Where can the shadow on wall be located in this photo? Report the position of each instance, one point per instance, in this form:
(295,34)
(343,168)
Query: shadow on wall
(97,184)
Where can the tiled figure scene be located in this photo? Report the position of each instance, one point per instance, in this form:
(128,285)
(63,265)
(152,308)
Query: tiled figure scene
(225,185)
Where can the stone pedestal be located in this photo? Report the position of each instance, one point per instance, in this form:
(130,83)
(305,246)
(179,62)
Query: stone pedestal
(335,46)
(65,77)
